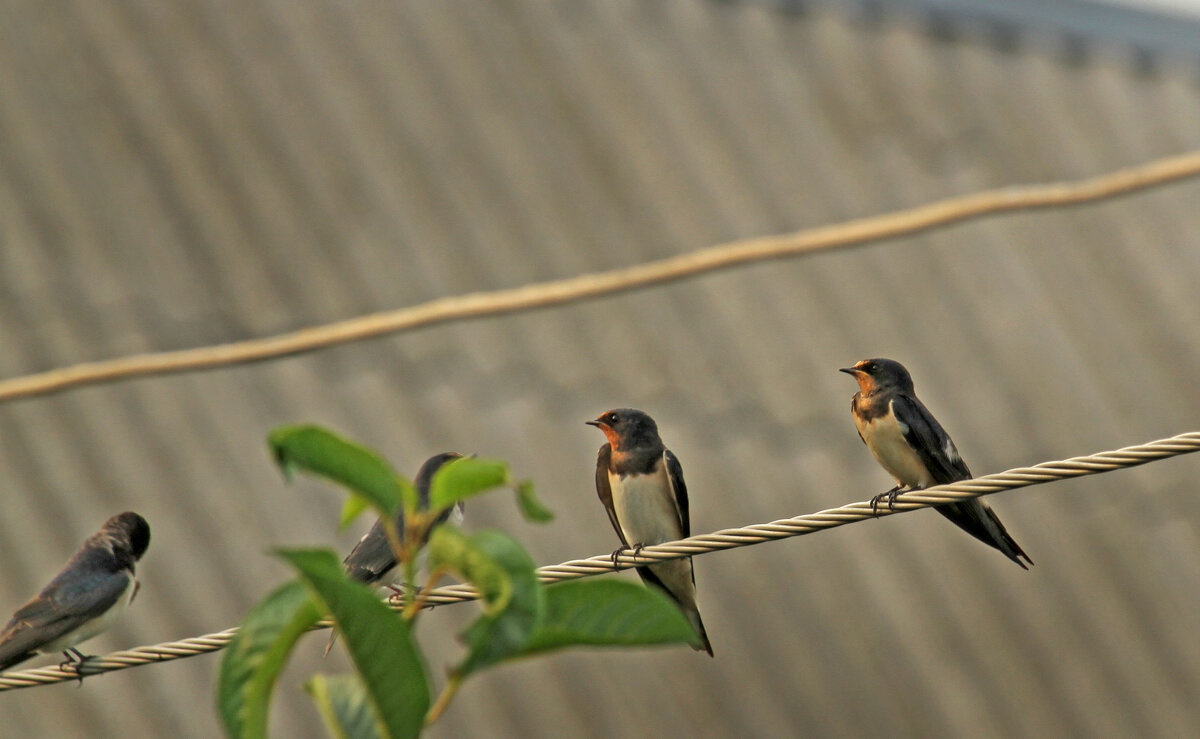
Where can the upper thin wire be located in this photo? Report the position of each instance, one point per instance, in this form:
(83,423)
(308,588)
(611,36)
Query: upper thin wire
(933,215)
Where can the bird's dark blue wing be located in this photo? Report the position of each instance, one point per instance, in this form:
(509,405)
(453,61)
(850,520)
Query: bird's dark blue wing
(372,557)
(929,440)
(604,490)
(679,487)
(933,445)
(86,588)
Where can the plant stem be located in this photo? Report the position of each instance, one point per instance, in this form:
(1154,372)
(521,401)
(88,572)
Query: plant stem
(435,711)
(414,605)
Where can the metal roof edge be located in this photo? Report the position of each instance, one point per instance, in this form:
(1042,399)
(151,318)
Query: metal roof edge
(1081,28)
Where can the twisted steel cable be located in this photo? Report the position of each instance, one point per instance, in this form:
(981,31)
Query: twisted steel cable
(1020,477)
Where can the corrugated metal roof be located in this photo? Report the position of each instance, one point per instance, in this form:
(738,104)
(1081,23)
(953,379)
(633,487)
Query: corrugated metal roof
(173,175)
(1146,32)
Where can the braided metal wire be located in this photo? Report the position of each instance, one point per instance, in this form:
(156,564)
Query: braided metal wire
(726,539)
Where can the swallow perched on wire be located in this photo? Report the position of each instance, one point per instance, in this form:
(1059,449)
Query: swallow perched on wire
(911,445)
(372,560)
(640,483)
(84,599)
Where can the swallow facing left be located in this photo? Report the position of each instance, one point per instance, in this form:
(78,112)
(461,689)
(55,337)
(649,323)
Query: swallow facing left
(372,559)
(640,483)
(84,599)
(911,445)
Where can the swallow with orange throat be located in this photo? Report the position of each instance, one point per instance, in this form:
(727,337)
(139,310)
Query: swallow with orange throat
(911,445)
(640,483)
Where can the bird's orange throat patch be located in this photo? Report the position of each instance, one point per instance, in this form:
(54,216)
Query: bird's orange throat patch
(866,383)
(614,440)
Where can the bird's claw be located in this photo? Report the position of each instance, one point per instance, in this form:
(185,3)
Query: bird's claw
(398,593)
(891,500)
(74,663)
(615,554)
(636,550)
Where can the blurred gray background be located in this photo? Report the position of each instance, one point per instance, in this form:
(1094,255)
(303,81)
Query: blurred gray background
(179,174)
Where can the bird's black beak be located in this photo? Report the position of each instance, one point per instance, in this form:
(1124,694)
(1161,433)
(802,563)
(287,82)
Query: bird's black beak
(849,370)
(593,423)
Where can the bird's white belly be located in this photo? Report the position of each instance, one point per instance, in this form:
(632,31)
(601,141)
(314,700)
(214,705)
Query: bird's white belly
(885,439)
(645,508)
(93,627)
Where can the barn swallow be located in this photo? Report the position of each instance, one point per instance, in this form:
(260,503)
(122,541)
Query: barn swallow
(372,559)
(640,483)
(911,445)
(84,599)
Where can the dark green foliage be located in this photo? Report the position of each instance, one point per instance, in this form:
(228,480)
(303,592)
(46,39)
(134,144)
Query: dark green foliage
(389,693)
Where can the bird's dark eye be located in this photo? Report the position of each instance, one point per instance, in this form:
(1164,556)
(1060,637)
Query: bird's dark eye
(869,367)
(612,418)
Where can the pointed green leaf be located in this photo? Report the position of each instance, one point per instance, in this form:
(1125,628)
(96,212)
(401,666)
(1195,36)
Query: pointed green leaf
(532,508)
(344,706)
(463,478)
(352,509)
(515,600)
(320,452)
(257,654)
(450,547)
(378,640)
(608,612)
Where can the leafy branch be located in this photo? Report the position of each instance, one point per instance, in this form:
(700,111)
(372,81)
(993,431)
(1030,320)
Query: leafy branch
(389,692)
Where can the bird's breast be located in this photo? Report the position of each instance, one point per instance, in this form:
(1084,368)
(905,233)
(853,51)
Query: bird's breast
(645,507)
(884,436)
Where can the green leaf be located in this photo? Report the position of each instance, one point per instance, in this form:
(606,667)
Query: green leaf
(320,452)
(343,703)
(378,640)
(514,600)
(255,657)
(450,547)
(608,612)
(463,478)
(352,509)
(531,508)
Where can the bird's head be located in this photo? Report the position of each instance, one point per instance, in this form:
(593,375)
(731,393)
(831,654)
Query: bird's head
(428,469)
(627,428)
(880,374)
(422,484)
(129,532)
